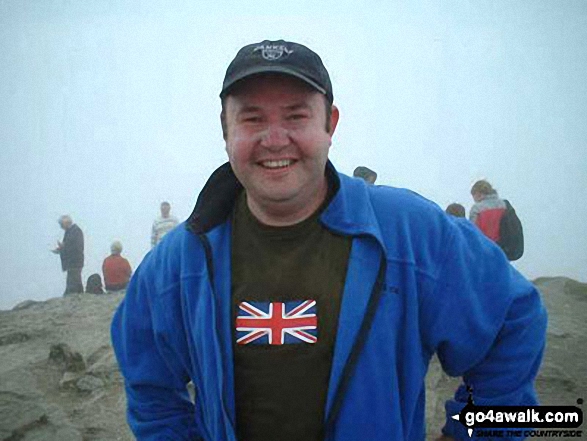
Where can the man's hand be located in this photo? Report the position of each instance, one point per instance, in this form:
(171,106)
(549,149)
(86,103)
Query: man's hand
(58,249)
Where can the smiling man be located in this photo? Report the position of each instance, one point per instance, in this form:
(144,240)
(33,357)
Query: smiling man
(304,304)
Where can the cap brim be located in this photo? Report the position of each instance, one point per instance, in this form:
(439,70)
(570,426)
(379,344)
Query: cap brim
(257,70)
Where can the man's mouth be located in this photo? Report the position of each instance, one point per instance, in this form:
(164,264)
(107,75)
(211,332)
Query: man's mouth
(276,163)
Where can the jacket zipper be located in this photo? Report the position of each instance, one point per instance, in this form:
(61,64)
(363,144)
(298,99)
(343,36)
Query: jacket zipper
(210,265)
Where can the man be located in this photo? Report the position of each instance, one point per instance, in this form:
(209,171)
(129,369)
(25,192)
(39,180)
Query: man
(163,224)
(71,252)
(366,174)
(304,304)
(116,269)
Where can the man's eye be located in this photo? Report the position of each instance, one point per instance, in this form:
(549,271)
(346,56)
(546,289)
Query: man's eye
(297,116)
(252,119)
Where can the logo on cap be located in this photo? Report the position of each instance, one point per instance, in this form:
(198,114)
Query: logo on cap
(272,52)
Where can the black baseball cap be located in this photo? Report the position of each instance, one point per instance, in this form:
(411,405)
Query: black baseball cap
(281,57)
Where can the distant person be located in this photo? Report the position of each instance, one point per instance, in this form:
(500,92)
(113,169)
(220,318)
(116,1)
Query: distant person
(163,224)
(488,209)
(366,174)
(497,219)
(456,210)
(71,251)
(116,269)
(94,284)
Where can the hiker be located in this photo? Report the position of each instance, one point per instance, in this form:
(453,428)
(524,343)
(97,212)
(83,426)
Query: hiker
(94,284)
(497,219)
(163,224)
(456,210)
(487,210)
(306,305)
(71,252)
(366,174)
(116,269)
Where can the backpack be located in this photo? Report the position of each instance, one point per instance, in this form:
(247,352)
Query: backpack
(511,234)
(94,285)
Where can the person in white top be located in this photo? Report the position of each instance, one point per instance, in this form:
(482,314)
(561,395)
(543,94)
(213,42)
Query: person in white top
(163,224)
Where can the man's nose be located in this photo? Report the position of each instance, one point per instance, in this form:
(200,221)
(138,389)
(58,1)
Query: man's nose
(275,136)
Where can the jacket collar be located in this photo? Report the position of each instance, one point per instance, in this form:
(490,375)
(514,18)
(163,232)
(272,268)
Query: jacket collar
(350,212)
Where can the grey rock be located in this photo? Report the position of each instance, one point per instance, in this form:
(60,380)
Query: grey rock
(18,414)
(89,383)
(24,305)
(14,337)
(64,356)
(68,379)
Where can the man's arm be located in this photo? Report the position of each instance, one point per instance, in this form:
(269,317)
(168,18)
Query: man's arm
(474,213)
(159,407)
(488,325)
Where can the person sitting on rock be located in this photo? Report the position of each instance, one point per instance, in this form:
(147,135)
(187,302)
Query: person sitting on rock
(116,269)
(94,285)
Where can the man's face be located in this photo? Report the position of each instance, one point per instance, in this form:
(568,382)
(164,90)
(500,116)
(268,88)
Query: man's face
(277,142)
(64,223)
(165,209)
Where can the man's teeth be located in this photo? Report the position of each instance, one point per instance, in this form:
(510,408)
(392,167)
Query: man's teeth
(277,164)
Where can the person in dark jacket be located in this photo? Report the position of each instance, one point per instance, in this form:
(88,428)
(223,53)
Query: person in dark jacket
(71,252)
(366,174)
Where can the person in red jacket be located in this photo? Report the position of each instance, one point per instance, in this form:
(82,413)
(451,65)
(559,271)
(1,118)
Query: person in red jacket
(116,269)
(488,209)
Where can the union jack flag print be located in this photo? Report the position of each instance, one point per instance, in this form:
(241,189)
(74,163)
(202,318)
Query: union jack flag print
(277,323)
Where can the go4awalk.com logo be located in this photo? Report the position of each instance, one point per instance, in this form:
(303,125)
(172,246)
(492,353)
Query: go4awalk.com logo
(520,421)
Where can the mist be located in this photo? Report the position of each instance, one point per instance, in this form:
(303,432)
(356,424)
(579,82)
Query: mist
(109,108)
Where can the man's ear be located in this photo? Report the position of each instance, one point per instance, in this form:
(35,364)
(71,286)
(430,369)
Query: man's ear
(335,114)
(223,123)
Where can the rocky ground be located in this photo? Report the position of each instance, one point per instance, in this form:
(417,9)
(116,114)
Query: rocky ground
(59,380)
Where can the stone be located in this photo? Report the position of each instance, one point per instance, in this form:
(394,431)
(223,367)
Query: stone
(68,379)
(89,383)
(24,305)
(64,356)
(14,337)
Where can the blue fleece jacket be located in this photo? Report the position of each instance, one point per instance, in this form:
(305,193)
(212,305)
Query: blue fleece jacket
(418,283)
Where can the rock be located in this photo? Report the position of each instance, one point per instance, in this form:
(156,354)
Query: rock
(556,332)
(89,383)
(68,379)
(24,305)
(58,371)
(18,413)
(63,355)
(15,337)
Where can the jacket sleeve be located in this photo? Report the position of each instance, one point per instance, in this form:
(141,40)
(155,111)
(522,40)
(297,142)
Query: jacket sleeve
(488,326)
(159,407)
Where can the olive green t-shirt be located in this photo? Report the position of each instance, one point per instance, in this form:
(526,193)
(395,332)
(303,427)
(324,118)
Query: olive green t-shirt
(287,285)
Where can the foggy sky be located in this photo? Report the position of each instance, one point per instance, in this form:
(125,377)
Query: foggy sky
(108,108)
